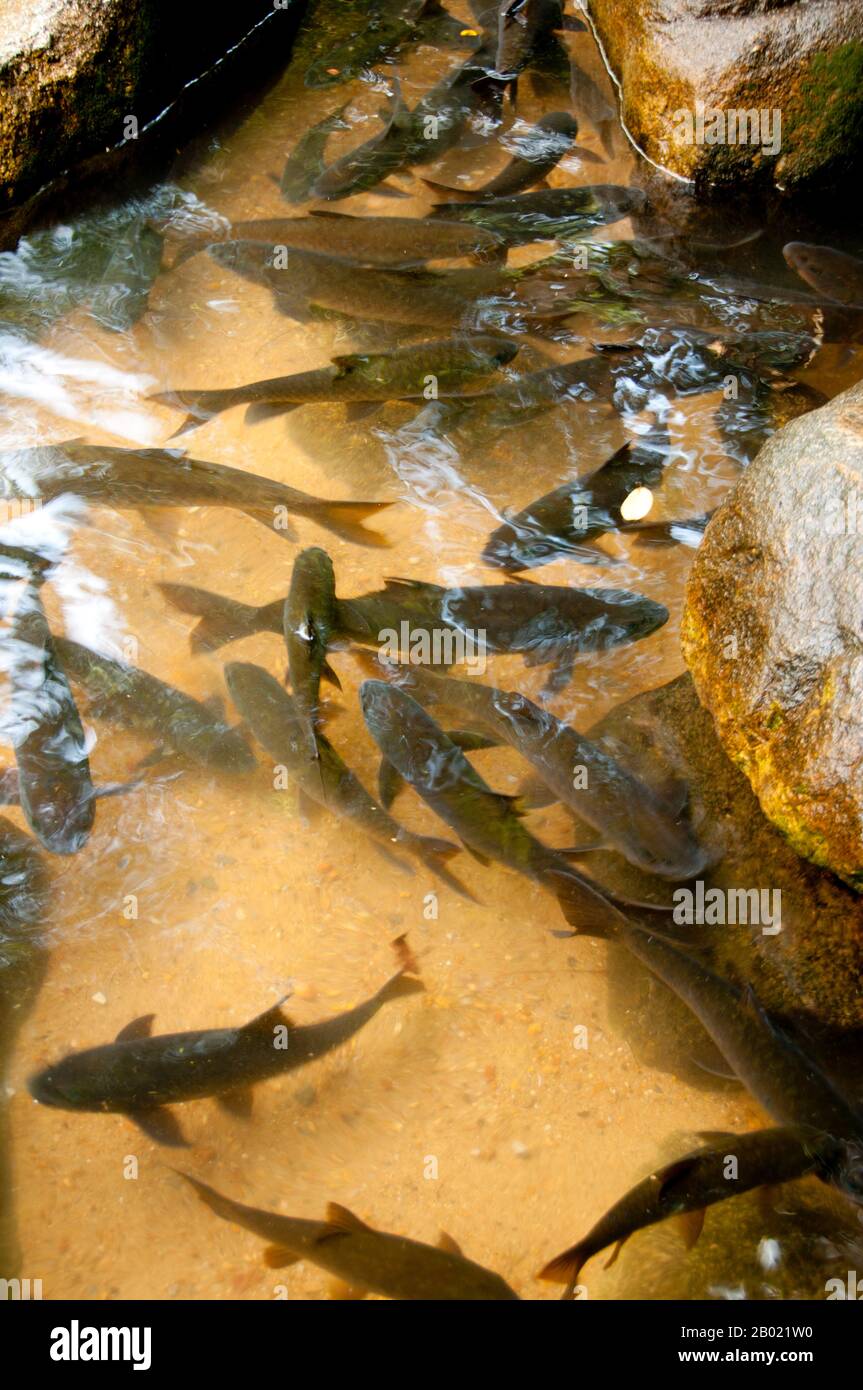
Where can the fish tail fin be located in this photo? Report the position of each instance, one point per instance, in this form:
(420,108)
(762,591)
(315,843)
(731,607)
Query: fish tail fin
(222,619)
(405,982)
(565,1268)
(585,908)
(201,405)
(346,519)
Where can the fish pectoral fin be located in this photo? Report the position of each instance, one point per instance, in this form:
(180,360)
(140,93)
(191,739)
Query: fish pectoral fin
(328,674)
(690,1225)
(160,1125)
(612,1259)
(279,1257)
(390,783)
(342,1221)
(271,1018)
(446,1242)
(139,1028)
(480,858)
(239,1100)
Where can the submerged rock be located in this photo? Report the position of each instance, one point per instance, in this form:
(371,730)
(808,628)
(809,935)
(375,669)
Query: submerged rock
(75,73)
(773,631)
(797,64)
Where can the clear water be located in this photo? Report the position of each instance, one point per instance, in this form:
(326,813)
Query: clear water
(238,898)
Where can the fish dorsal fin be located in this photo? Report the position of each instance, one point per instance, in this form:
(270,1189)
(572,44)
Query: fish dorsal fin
(392,583)
(271,1018)
(446,1242)
(139,1028)
(343,1220)
(674,1172)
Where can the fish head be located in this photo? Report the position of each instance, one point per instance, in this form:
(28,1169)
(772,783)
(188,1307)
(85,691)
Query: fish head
(410,738)
(515,548)
(59,1086)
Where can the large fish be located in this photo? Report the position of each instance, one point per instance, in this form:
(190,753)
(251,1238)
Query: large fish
(380,241)
(566,519)
(53,785)
(309,623)
(440,116)
(833,274)
(139,1075)
(322,777)
(549,215)
(628,815)
(311,282)
(456,366)
(367,1260)
(548,623)
(113,477)
(488,823)
(688,1185)
(135,700)
(523,27)
(306,161)
(539,151)
(371,162)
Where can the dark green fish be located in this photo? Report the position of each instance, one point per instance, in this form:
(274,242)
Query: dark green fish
(311,282)
(379,241)
(138,1075)
(589,101)
(367,1260)
(54,785)
(523,27)
(764,1052)
(699,1180)
(547,622)
(488,823)
(628,815)
(135,700)
(323,778)
(438,119)
(566,519)
(309,625)
(147,478)
(306,160)
(539,151)
(371,162)
(549,215)
(456,366)
(834,274)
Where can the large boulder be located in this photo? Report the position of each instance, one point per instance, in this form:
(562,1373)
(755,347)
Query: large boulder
(801,58)
(73,71)
(773,631)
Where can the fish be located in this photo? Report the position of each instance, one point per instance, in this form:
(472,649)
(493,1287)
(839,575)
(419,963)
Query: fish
(135,700)
(588,100)
(312,282)
(365,1259)
(697,1180)
(523,26)
(628,815)
(140,1075)
(371,162)
(24,899)
(833,274)
(114,477)
(685,531)
(565,520)
(538,153)
(325,779)
(488,823)
(456,366)
(54,786)
(768,1054)
(306,161)
(309,623)
(550,214)
(547,622)
(377,241)
(439,117)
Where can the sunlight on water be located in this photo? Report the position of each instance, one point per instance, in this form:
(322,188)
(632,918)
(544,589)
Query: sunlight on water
(202,897)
